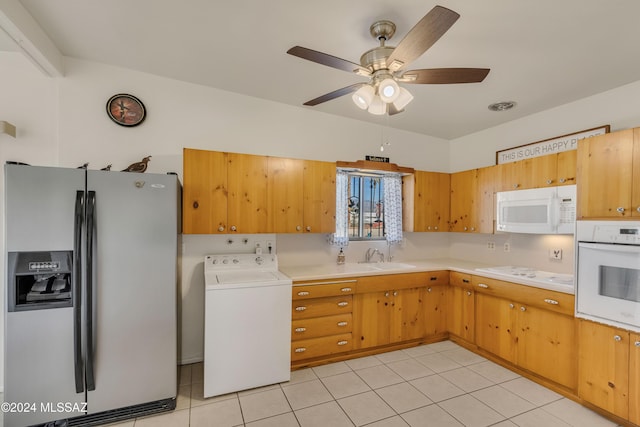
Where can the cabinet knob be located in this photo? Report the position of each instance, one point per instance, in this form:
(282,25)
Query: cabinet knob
(308,228)
(345,290)
(303,293)
(550,181)
(551,301)
(516,185)
(563,180)
(300,350)
(343,324)
(468,293)
(638,209)
(301,308)
(343,304)
(386,294)
(473,229)
(436,227)
(523,308)
(299,330)
(617,338)
(511,305)
(221,228)
(298,228)
(620,210)
(395,293)
(483,286)
(429,228)
(234,228)
(466,228)
(428,289)
(343,342)
(637,343)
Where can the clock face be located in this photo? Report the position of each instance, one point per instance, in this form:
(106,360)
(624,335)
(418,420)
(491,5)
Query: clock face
(126,110)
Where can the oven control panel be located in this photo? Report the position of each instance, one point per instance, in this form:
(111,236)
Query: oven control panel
(618,233)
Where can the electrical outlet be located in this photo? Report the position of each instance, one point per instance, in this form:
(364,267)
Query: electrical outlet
(491,246)
(507,247)
(555,254)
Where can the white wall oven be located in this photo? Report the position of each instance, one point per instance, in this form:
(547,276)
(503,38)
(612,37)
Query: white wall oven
(608,272)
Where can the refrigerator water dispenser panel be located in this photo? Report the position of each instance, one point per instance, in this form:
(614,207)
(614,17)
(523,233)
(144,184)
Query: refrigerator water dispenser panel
(40,280)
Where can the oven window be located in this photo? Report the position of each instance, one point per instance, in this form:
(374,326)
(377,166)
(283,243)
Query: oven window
(619,282)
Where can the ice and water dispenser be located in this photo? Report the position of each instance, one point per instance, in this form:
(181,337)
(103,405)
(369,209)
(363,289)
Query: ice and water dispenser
(40,280)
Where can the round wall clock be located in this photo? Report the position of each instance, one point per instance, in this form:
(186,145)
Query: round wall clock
(126,110)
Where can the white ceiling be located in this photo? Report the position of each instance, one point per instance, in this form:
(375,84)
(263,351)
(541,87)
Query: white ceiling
(542,53)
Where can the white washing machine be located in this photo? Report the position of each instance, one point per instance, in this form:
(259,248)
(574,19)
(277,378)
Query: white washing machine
(247,331)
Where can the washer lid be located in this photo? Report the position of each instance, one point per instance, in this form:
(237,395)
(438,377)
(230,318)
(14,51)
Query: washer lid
(247,277)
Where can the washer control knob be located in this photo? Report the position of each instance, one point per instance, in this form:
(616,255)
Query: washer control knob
(225,261)
(236,260)
(259,260)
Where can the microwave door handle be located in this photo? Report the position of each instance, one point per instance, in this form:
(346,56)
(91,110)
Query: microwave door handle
(553,210)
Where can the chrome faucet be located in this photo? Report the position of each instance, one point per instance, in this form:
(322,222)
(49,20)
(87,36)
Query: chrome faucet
(371,252)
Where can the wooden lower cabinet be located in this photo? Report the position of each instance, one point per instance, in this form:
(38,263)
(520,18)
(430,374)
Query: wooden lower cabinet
(321,318)
(461,303)
(539,340)
(435,302)
(634,378)
(604,369)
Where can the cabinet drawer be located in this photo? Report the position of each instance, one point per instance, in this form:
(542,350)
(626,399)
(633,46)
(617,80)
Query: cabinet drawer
(318,289)
(321,326)
(528,295)
(315,347)
(402,281)
(318,307)
(462,280)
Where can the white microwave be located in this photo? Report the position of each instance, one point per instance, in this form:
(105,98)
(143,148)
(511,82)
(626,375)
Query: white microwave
(550,210)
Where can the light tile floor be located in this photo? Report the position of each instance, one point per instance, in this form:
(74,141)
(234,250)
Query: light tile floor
(438,385)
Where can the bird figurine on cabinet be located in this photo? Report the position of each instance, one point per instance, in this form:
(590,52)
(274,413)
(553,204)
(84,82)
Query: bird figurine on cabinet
(106,168)
(139,167)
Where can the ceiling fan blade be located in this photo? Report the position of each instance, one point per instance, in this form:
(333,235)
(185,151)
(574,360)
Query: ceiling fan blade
(444,75)
(422,36)
(328,60)
(335,94)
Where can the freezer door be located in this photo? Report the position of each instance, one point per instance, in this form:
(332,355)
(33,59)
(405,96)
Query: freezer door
(40,205)
(134,289)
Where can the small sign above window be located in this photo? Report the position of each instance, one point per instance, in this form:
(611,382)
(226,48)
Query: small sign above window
(377,159)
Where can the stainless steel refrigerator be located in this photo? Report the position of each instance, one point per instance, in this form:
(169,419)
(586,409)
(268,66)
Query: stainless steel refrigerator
(90,313)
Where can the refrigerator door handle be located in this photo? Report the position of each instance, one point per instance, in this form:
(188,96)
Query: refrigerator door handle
(77,291)
(91,264)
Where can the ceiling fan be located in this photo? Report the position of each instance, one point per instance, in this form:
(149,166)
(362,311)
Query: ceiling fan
(385,65)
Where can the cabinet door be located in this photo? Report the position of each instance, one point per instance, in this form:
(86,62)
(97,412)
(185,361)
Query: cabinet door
(485,207)
(204,206)
(435,310)
(248,202)
(544,171)
(285,194)
(609,155)
(547,344)
(407,319)
(603,366)
(319,181)
(462,313)
(635,196)
(371,319)
(463,199)
(566,171)
(431,201)
(515,175)
(496,326)
(634,379)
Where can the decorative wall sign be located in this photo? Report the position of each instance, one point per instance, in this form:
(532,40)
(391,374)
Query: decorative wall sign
(377,159)
(126,110)
(548,146)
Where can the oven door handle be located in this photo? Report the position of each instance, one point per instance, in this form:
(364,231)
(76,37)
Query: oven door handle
(610,247)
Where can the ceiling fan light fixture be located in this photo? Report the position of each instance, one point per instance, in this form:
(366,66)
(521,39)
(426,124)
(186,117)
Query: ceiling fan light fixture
(403,99)
(363,96)
(378,106)
(388,90)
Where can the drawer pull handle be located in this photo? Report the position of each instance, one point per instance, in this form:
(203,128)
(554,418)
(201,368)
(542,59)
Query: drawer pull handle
(300,350)
(341,324)
(301,308)
(432,278)
(617,338)
(299,330)
(465,280)
(343,342)
(303,293)
(482,285)
(345,290)
(551,301)
(343,304)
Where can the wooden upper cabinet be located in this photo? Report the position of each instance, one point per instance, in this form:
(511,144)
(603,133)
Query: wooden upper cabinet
(204,192)
(248,207)
(538,172)
(285,194)
(566,169)
(485,195)
(515,175)
(463,200)
(426,201)
(319,196)
(605,169)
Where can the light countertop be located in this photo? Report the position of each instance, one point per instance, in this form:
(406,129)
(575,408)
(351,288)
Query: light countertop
(334,271)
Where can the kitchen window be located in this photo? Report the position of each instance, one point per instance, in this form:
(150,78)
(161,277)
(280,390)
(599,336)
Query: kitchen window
(366,207)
